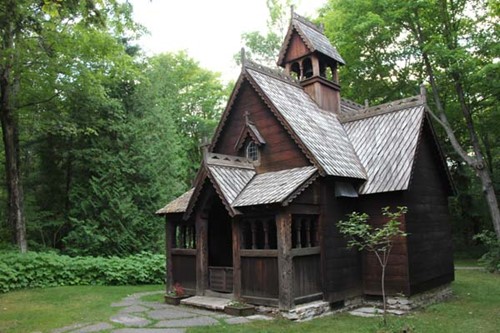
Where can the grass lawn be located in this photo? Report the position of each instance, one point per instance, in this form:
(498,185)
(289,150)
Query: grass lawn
(474,308)
(42,310)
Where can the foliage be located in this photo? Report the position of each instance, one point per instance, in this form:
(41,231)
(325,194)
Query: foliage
(40,270)
(264,48)
(379,240)
(491,259)
(391,46)
(44,310)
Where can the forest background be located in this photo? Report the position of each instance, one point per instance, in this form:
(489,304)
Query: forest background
(98,136)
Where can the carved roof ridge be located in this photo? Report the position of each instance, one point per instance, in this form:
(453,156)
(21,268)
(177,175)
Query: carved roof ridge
(305,21)
(376,110)
(275,73)
(228,161)
(355,104)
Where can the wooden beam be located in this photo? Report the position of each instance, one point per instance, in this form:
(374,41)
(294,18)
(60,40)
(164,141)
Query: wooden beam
(235,227)
(201,254)
(285,264)
(169,241)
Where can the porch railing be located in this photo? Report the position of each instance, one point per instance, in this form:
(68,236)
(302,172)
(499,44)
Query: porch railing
(221,279)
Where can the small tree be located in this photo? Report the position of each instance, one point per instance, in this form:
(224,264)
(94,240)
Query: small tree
(380,241)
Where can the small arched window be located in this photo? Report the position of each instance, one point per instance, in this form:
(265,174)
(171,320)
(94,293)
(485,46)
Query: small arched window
(252,151)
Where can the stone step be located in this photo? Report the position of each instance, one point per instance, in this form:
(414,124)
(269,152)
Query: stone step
(206,302)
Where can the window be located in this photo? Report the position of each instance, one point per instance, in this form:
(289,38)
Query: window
(252,152)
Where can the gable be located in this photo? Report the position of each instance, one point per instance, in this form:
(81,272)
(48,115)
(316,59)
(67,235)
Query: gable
(279,151)
(296,48)
(430,175)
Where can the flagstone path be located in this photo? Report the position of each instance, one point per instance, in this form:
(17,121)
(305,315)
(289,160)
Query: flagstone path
(137,316)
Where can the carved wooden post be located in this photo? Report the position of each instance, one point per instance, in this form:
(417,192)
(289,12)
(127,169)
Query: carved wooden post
(253,227)
(298,226)
(182,233)
(169,242)
(201,253)
(285,264)
(265,226)
(236,225)
(308,232)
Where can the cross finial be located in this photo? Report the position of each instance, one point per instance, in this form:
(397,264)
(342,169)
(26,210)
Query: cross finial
(291,10)
(204,147)
(423,93)
(243,57)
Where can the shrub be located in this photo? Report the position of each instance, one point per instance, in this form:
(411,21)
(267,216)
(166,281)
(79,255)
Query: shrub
(39,270)
(491,259)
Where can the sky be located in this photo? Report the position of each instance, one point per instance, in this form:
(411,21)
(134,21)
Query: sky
(209,30)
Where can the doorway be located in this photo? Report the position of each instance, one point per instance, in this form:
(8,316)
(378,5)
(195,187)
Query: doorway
(220,249)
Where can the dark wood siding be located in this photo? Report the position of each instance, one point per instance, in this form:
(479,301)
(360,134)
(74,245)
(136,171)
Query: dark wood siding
(307,275)
(259,277)
(297,48)
(428,221)
(341,266)
(280,151)
(397,279)
(184,269)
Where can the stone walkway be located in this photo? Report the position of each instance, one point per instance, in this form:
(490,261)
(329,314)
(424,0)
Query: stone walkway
(136,316)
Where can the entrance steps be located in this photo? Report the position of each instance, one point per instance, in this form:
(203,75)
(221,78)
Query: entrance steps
(207,302)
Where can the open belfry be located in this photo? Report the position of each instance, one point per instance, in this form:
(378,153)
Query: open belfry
(288,160)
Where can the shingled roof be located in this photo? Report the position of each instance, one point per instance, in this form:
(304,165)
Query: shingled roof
(312,36)
(276,187)
(319,132)
(385,138)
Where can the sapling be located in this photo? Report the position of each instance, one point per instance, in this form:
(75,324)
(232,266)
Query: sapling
(378,240)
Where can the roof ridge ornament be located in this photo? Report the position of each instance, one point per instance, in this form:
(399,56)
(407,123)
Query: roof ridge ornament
(243,58)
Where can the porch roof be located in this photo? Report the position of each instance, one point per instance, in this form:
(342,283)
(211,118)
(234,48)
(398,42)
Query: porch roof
(276,187)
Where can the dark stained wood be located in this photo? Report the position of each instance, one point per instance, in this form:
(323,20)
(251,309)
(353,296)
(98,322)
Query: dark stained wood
(341,267)
(169,232)
(236,257)
(306,251)
(306,275)
(259,277)
(325,93)
(201,254)
(285,264)
(428,222)
(296,48)
(397,275)
(280,151)
(184,270)
(259,253)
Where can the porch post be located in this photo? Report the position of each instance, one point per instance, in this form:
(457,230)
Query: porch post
(235,227)
(201,253)
(285,264)
(169,241)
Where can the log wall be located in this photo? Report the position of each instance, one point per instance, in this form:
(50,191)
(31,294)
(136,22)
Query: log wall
(428,222)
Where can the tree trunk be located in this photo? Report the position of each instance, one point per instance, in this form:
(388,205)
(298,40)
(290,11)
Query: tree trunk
(13,176)
(11,145)
(477,162)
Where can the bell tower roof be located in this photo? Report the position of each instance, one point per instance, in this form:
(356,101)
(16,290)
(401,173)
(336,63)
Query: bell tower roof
(303,38)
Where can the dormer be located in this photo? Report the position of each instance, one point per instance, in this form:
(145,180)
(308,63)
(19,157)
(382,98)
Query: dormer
(308,56)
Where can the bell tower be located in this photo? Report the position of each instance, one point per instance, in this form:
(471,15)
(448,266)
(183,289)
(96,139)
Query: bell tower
(308,55)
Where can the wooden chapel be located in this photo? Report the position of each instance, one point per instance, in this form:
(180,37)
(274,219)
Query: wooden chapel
(288,160)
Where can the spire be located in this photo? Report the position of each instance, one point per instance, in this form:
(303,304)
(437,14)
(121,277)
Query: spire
(243,58)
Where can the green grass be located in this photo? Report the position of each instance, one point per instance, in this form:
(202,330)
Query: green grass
(475,307)
(42,310)
(467,263)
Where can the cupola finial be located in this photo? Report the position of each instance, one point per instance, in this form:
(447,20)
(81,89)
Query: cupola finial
(243,57)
